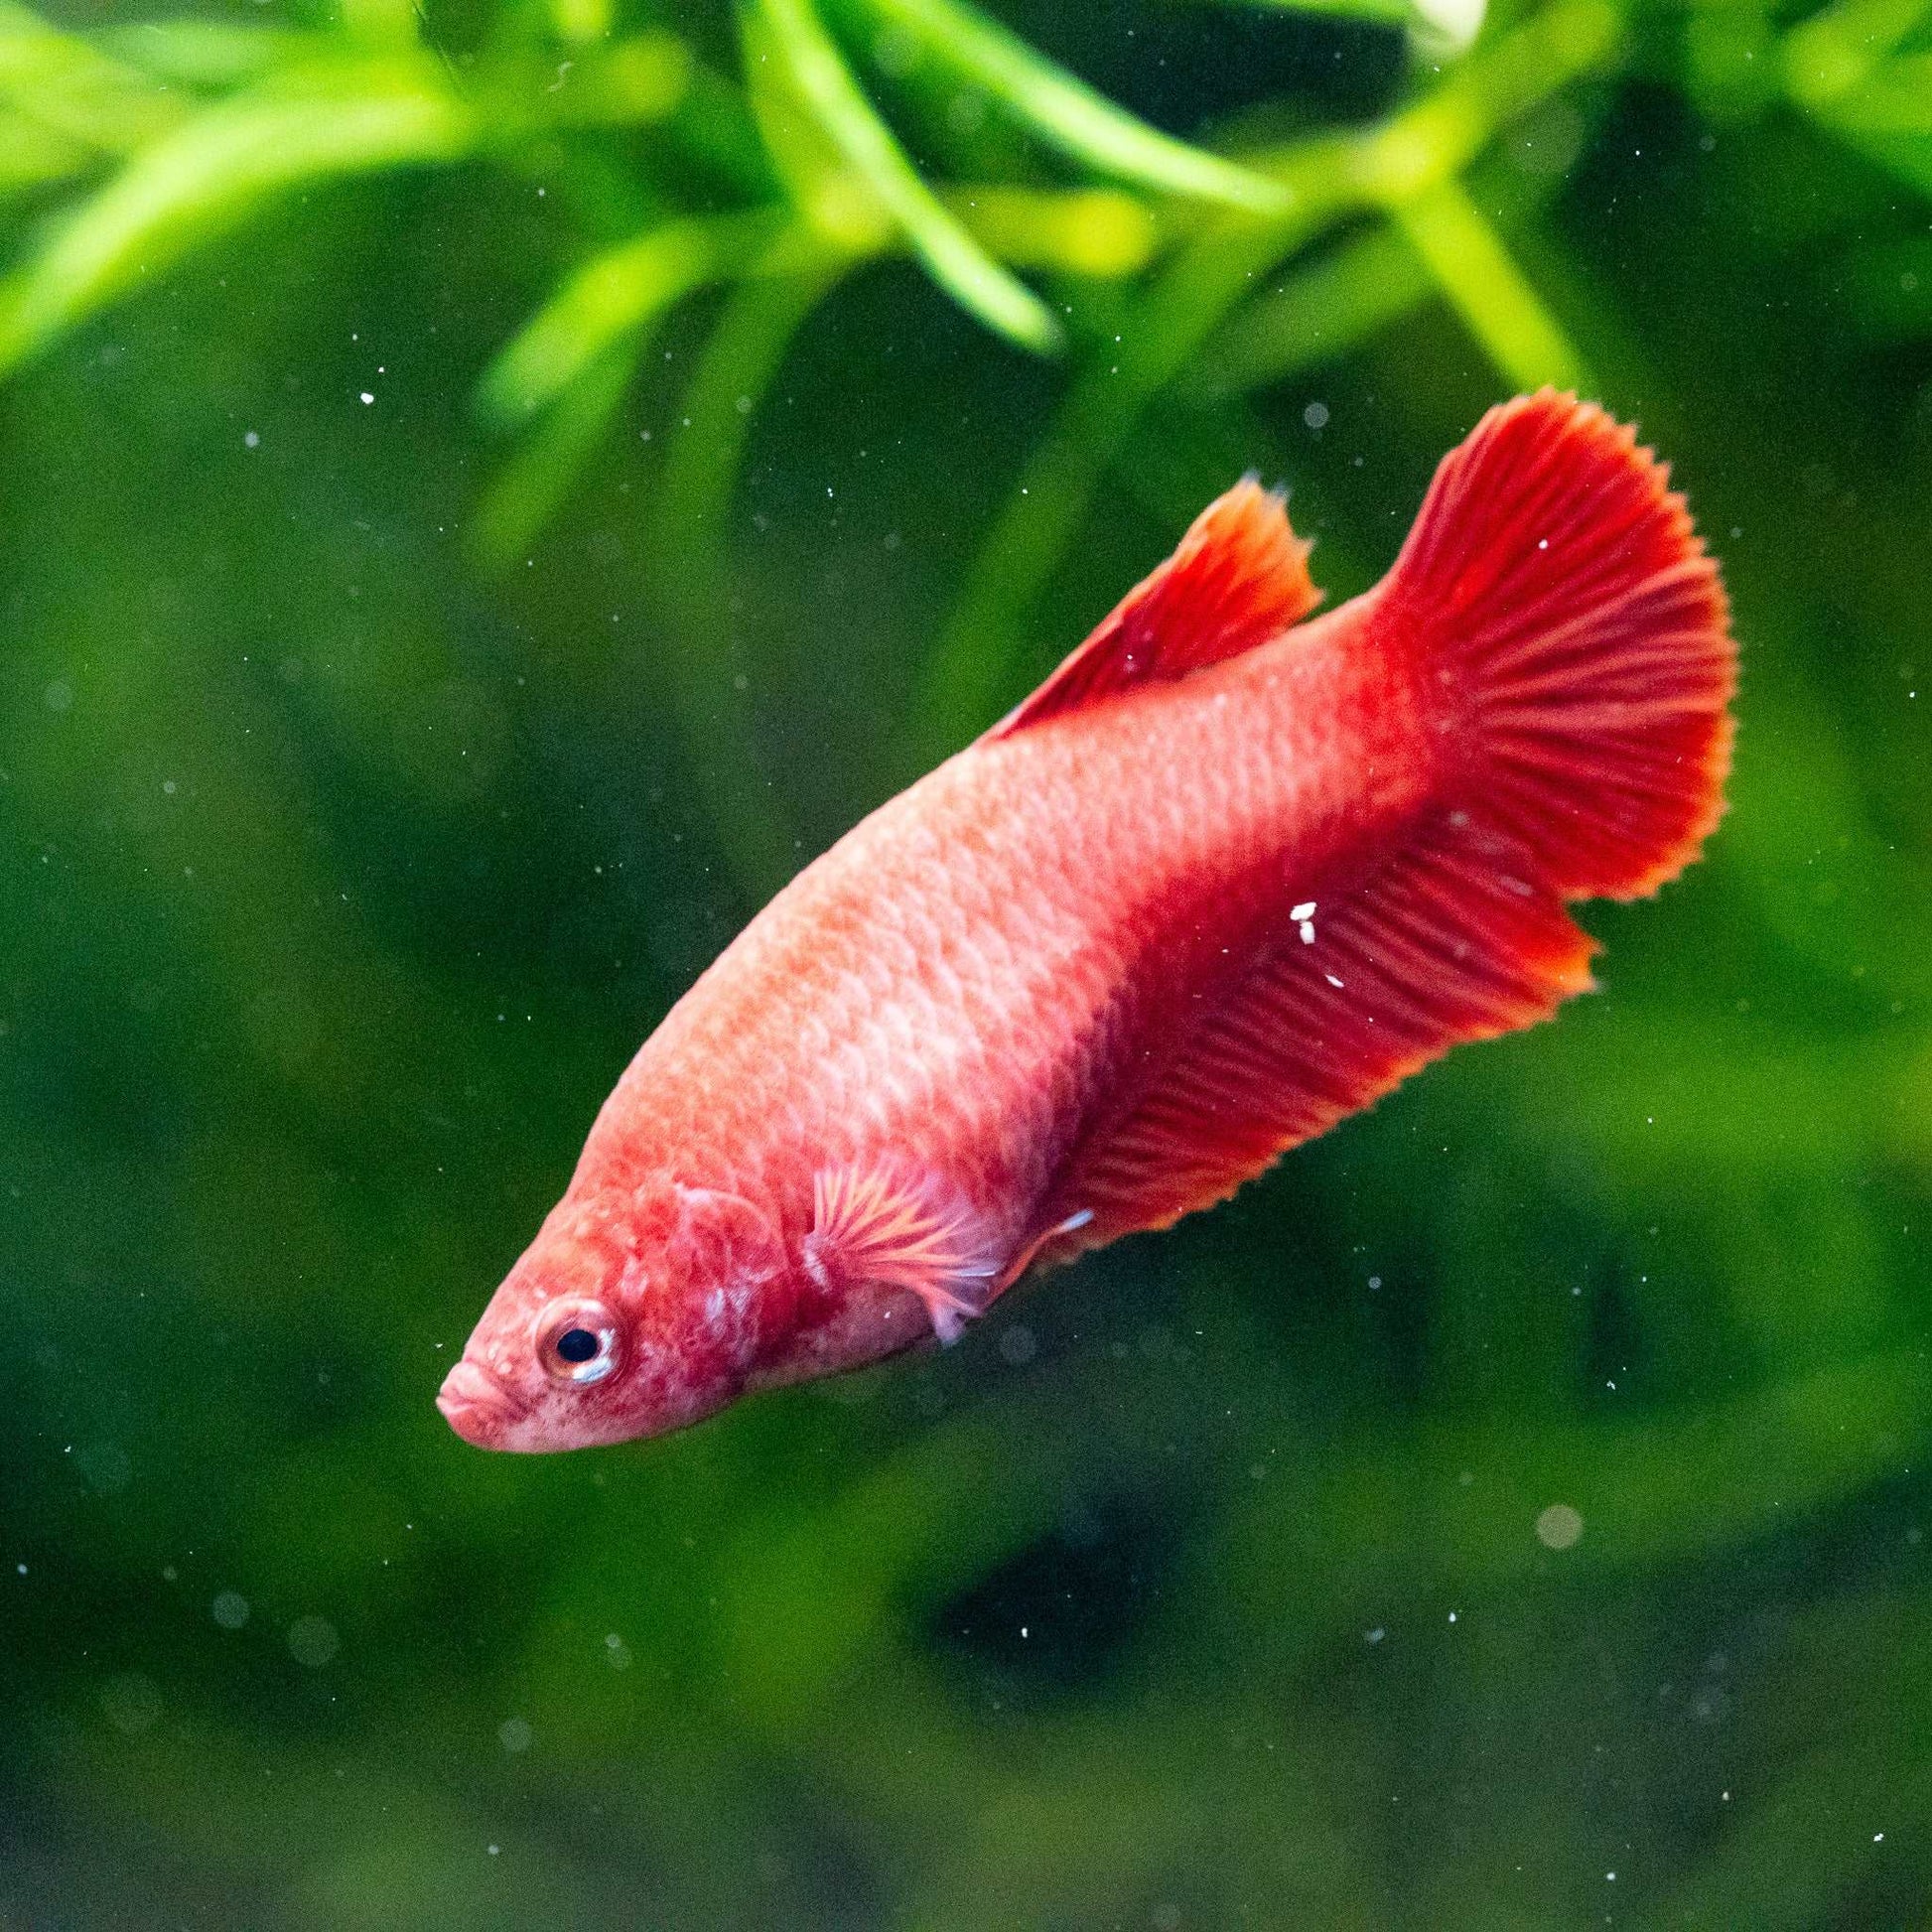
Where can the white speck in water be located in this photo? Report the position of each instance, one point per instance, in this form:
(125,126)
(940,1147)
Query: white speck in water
(617,1652)
(1878,1838)
(514,1734)
(1305,911)
(231,1609)
(1377,1634)
(1330,978)
(20,1568)
(1316,415)
(252,439)
(1375,1282)
(494,1849)
(366,398)
(59,695)
(1542,544)
(1451,1616)
(168,785)
(1560,1527)
(1022,1629)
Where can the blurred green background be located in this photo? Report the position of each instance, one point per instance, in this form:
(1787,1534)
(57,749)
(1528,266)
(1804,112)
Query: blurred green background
(485,490)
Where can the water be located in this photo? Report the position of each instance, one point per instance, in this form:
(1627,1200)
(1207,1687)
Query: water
(1511,1513)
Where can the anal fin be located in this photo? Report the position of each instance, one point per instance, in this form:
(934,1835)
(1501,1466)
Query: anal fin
(882,1221)
(1449,940)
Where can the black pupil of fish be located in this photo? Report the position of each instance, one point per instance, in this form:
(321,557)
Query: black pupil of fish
(576,1344)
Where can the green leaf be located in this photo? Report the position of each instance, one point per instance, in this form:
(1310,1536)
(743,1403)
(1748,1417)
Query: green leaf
(582,22)
(614,296)
(1068,113)
(1895,103)
(1831,53)
(1474,269)
(209,53)
(953,258)
(31,153)
(1316,316)
(73,89)
(838,206)
(214,173)
(1093,231)
(527,493)
(637,80)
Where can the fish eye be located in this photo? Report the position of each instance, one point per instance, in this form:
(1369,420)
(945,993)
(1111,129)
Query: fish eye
(578,1341)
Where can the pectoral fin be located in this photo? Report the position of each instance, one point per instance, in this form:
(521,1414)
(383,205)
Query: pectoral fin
(886,1222)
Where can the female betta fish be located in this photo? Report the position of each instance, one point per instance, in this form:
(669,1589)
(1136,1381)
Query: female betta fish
(1223,879)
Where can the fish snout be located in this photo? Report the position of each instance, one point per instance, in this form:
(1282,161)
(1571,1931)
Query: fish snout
(477,1403)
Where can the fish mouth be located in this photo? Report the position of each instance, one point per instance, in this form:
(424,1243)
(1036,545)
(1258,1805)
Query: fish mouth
(477,1403)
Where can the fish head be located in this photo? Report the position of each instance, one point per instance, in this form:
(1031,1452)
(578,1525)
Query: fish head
(631,1313)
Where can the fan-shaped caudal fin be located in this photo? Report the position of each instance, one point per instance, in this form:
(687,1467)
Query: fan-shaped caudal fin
(1560,599)
(1238,577)
(1553,594)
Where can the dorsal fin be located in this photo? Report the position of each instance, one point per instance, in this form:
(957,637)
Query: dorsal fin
(1238,577)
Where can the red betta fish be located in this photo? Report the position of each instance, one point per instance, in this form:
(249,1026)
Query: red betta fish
(1225,877)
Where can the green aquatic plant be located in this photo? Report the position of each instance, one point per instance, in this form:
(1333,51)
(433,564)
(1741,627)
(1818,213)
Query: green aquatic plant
(1164,267)
(1168,266)
(375,775)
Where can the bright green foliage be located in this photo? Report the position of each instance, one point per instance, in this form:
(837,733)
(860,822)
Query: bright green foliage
(484,492)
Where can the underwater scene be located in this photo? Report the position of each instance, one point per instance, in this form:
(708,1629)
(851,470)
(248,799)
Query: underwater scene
(492,490)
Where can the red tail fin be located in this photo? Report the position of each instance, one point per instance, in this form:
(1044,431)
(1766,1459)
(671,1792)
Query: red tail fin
(1556,590)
